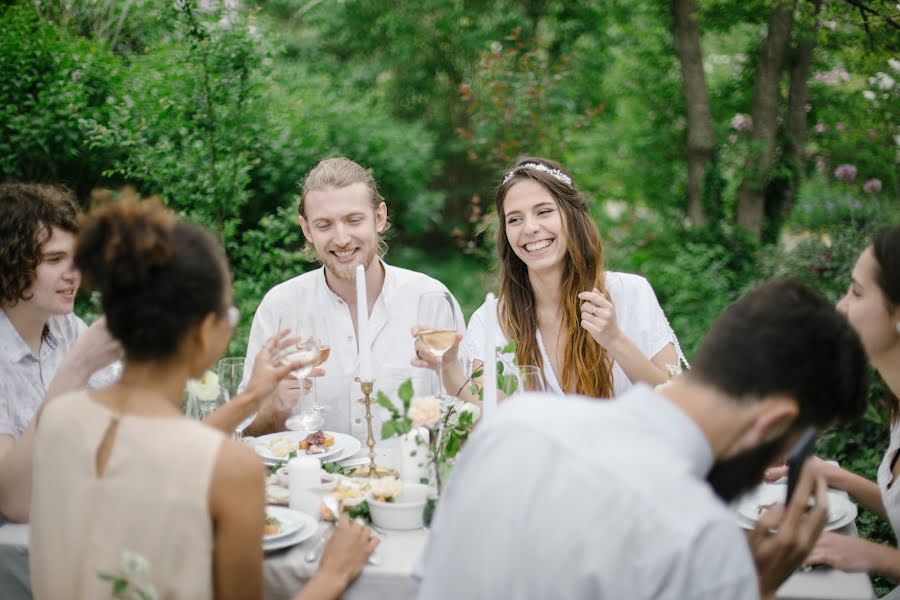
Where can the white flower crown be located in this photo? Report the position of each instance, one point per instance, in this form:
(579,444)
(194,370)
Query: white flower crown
(539,167)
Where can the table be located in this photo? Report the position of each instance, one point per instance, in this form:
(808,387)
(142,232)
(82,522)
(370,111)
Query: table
(285,572)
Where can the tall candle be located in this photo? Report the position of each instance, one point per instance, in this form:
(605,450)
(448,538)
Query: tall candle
(362,324)
(490,363)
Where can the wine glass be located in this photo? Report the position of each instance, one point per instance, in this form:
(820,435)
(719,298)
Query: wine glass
(306,354)
(437,325)
(324,352)
(231,374)
(531,379)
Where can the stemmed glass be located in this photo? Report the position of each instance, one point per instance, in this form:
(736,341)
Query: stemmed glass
(231,372)
(437,326)
(306,352)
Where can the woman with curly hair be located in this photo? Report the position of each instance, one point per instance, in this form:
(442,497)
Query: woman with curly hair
(591,332)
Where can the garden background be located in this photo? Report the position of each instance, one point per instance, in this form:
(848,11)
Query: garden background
(721,142)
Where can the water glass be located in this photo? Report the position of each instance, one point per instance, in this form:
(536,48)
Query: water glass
(231,372)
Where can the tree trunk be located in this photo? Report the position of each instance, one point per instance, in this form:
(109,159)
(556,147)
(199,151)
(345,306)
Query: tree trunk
(797,100)
(700,138)
(751,195)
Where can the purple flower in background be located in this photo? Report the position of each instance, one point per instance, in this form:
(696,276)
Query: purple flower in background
(840,126)
(845,172)
(741,122)
(872,186)
(820,164)
(821,127)
(76,75)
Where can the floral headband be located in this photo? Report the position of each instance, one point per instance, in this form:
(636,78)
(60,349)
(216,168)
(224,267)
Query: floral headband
(539,167)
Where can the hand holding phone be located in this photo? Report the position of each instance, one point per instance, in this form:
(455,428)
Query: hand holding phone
(801,451)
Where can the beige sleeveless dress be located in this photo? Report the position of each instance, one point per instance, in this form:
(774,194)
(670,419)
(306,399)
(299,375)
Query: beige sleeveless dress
(151,502)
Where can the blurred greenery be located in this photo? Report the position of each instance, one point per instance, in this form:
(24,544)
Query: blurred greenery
(221,106)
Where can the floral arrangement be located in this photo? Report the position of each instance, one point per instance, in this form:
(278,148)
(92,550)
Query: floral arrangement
(448,422)
(131,583)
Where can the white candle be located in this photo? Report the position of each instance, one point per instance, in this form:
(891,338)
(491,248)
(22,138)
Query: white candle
(362,324)
(490,363)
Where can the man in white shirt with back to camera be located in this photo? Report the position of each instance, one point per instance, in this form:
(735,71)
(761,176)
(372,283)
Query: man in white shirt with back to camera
(570,497)
(343,218)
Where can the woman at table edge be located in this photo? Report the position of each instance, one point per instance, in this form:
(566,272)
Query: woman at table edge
(872,305)
(555,300)
(152,269)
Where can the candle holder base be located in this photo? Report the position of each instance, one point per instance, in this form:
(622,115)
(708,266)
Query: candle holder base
(372,470)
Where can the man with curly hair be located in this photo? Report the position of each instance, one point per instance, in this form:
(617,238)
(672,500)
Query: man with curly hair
(38,281)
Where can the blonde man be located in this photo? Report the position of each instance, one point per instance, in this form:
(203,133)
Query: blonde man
(344,218)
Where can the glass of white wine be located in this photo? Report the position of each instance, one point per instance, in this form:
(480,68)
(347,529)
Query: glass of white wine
(437,326)
(306,353)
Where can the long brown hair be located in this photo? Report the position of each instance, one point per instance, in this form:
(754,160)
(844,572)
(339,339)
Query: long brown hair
(584,360)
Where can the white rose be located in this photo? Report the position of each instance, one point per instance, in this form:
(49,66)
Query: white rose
(468,407)
(425,412)
(386,488)
(134,565)
(206,388)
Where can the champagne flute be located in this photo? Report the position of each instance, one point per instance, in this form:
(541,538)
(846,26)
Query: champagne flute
(437,325)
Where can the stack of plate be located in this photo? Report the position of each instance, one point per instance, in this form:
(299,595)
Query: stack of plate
(841,510)
(274,448)
(296,527)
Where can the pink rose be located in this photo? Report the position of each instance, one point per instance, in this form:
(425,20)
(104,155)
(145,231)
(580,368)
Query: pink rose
(425,412)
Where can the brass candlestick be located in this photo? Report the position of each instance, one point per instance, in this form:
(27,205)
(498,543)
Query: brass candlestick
(372,470)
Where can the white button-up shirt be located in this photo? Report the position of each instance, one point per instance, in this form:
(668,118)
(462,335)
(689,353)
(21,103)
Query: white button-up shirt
(393,347)
(24,377)
(567,497)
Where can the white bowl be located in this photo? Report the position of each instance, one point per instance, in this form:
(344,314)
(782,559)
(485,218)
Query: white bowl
(405,512)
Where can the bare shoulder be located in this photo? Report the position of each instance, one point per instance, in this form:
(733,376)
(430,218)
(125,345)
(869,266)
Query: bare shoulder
(237,468)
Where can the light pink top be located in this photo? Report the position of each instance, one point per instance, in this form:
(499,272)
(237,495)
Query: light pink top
(151,501)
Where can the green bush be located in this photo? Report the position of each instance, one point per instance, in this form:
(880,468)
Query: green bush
(52,81)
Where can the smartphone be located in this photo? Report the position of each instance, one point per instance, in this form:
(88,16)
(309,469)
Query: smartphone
(798,455)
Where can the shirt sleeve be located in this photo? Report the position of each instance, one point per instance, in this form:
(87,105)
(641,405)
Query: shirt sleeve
(7,389)
(652,322)
(721,566)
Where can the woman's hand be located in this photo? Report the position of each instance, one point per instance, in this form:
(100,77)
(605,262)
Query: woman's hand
(425,359)
(842,552)
(816,465)
(347,551)
(598,317)
(269,368)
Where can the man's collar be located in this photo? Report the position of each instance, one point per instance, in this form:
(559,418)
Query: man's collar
(12,345)
(673,424)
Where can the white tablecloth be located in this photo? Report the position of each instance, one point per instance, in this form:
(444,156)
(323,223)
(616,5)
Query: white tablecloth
(285,572)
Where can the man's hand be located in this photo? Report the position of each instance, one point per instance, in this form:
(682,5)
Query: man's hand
(783,537)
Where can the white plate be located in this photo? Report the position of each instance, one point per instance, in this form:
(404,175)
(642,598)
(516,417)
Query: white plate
(304,527)
(841,510)
(350,446)
(263,445)
(291,523)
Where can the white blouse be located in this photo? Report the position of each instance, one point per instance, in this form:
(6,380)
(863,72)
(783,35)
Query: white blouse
(890,493)
(639,316)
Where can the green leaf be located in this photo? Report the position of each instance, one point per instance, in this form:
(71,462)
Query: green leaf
(477,372)
(119,587)
(384,401)
(388,430)
(508,348)
(508,383)
(403,426)
(360,510)
(406,393)
(465,420)
(453,446)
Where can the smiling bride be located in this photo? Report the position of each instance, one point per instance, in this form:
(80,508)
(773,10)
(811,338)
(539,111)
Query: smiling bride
(590,331)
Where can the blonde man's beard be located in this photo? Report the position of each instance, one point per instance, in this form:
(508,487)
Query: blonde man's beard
(348,272)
